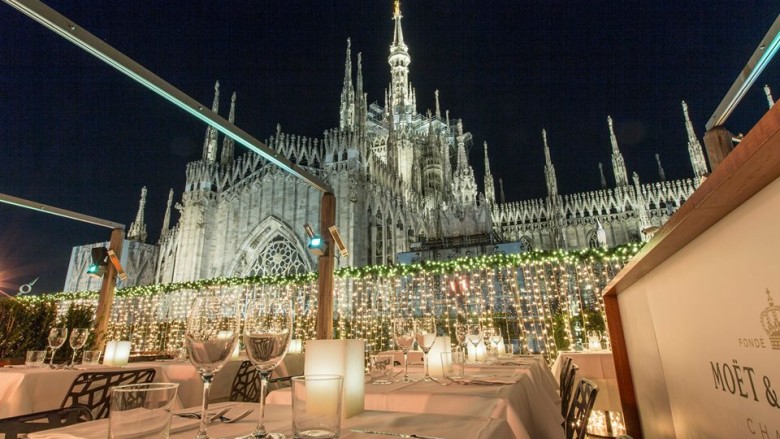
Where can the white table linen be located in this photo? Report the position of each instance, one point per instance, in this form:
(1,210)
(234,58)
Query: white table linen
(530,407)
(599,367)
(279,419)
(30,390)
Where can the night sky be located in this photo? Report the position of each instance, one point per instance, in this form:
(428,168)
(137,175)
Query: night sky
(79,135)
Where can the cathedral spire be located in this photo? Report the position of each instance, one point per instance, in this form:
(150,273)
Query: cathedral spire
(501,188)
(618,165)
(347,106)
(603,179)
(769,98)
(399,60)
(361,107)
(490,189)
(695,150)
(210,143)
(661,173)
(137,230)
(227,142)
(438,109)
(167,218)
(643,219)
(549,169)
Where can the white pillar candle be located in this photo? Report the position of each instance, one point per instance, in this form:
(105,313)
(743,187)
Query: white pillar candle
(441,345)
(340,357)
(122,353)
(108,357)
(296,346)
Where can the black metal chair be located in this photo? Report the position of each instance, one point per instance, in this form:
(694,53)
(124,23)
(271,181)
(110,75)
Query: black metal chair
(93,389)
(246,384)
(576,422)
(567,385)
(17,426)
(564,370)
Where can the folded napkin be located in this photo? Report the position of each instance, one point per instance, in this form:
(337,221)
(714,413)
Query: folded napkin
(487,380)
(99,429)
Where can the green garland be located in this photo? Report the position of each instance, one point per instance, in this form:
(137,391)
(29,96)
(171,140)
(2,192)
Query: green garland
(621,253)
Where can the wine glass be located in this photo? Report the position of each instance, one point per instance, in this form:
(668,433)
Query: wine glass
(211,335)
(487,335)
(461,330)
(403,333)
(57,337)
(267,333)
(78,338)
(425,334)
(474,336)
(495,339)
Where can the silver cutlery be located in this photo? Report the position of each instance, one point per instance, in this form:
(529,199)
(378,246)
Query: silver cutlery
(390,433)
(242,415)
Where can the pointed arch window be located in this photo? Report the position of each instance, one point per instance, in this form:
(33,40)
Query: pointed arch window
(278,258)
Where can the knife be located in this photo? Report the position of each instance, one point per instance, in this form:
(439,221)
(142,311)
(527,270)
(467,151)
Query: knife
(390,433)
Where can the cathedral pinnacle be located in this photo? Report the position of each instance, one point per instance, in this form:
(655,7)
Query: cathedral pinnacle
(549,169)
(661,173)
(490,190)
(347,105)
(137,230)
(618,165)
(167,218)
(603,179)
(227,142)
(438,109)
(210,143)
(695,150)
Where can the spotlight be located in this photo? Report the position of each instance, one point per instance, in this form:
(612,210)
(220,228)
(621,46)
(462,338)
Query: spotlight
(99,262)
(317,246)
(115,262)
(334,232)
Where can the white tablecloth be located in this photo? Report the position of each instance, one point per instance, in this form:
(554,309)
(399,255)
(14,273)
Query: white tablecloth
(30,390)
(278,419)
(599,367)
(530,406)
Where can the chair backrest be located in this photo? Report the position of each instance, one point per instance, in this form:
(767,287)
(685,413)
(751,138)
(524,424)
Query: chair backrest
(246,385)
(567,384)
(93,389)
(579,412)
(564,370)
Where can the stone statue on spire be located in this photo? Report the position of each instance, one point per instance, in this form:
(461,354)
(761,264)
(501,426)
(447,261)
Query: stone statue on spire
(618,164)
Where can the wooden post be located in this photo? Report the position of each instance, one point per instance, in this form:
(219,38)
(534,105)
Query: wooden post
(106,298)
(325,267)
(718,142)
(622,367)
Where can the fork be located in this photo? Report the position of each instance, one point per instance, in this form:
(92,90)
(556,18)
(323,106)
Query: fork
(242,415)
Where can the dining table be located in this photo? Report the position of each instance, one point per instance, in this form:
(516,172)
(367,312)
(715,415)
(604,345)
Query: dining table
(278,418)
(518,390)
(25,390)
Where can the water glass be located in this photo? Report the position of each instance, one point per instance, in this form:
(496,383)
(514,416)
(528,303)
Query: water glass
(35,358)
(381,368)
(453,364)
(141,411)
(90,357)
(316,405)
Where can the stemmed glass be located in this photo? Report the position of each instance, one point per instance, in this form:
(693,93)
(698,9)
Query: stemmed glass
(211,335)
(425,334)
(461,330)
(403,332)
(57,337)
(78,338)
(474,336)
(495,339)
(267,333)
(487,335)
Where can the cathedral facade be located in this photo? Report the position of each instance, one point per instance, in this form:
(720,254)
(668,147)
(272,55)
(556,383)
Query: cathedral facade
(402,181)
